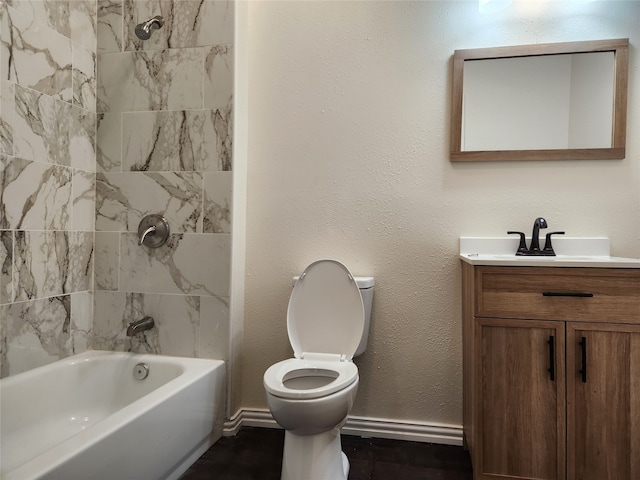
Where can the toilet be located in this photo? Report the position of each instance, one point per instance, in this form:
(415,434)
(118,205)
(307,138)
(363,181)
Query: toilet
(311,394)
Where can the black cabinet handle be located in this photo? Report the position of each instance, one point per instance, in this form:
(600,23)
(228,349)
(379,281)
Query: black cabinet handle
(583,370)
(552,358)
(568,294)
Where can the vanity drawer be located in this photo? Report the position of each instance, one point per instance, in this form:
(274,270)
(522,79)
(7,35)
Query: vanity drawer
(585,294)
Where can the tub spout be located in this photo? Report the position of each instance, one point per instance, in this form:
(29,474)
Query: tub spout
(140,326)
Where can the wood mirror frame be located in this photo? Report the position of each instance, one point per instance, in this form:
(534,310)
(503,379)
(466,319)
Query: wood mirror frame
(620,48)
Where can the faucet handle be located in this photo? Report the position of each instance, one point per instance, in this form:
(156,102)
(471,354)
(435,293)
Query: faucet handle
(548,249)
(522,248)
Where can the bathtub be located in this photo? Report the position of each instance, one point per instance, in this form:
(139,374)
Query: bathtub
(88,417)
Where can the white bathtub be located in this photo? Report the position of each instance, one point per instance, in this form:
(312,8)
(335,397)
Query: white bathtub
(87,417)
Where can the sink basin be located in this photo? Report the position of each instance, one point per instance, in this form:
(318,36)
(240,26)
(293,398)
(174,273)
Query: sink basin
(570,252)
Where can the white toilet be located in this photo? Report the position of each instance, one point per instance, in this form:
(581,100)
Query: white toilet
(311,395)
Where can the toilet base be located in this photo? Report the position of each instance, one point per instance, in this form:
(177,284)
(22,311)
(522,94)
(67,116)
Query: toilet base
(314,457)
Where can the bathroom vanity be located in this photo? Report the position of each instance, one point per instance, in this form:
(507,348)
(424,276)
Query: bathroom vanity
(551,364)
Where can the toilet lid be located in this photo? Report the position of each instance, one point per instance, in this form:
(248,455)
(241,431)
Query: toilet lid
(325,313)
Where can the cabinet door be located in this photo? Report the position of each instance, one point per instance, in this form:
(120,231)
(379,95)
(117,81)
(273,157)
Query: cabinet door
(521,410)
(603,393)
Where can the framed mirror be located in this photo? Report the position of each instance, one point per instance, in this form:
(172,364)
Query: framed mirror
(554,101)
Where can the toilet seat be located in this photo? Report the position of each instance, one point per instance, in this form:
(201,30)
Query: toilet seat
(276,375)
(325,313)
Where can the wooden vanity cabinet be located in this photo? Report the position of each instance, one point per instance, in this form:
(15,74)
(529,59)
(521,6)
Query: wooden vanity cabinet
(531,408)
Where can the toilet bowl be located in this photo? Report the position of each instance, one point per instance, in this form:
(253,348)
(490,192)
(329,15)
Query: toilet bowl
(311,394)
(307,398)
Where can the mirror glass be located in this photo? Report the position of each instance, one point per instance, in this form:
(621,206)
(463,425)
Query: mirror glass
(536,103)
(521,103)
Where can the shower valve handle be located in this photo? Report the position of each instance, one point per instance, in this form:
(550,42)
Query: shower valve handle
(153,231)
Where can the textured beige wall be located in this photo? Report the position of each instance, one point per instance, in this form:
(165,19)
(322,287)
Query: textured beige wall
(349,106)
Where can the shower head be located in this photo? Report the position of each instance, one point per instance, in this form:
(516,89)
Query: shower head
(143,30)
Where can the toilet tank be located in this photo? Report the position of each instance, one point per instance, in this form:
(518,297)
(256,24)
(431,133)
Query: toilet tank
(365,285)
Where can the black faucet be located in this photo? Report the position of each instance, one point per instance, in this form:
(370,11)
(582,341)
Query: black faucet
(535,236)
(534,248)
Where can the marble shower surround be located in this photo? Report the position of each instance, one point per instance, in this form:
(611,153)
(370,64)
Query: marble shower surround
(164,142)
(49,139)
(47,179)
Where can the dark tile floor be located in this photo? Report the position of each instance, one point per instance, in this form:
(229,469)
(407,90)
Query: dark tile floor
(256,454)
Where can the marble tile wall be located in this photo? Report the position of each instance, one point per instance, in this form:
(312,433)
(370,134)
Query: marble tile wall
(164,142)
(47,179)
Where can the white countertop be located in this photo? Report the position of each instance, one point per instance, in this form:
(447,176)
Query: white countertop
(570,252)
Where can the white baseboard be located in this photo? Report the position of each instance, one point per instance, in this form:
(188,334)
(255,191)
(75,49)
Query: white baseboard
(359,426)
